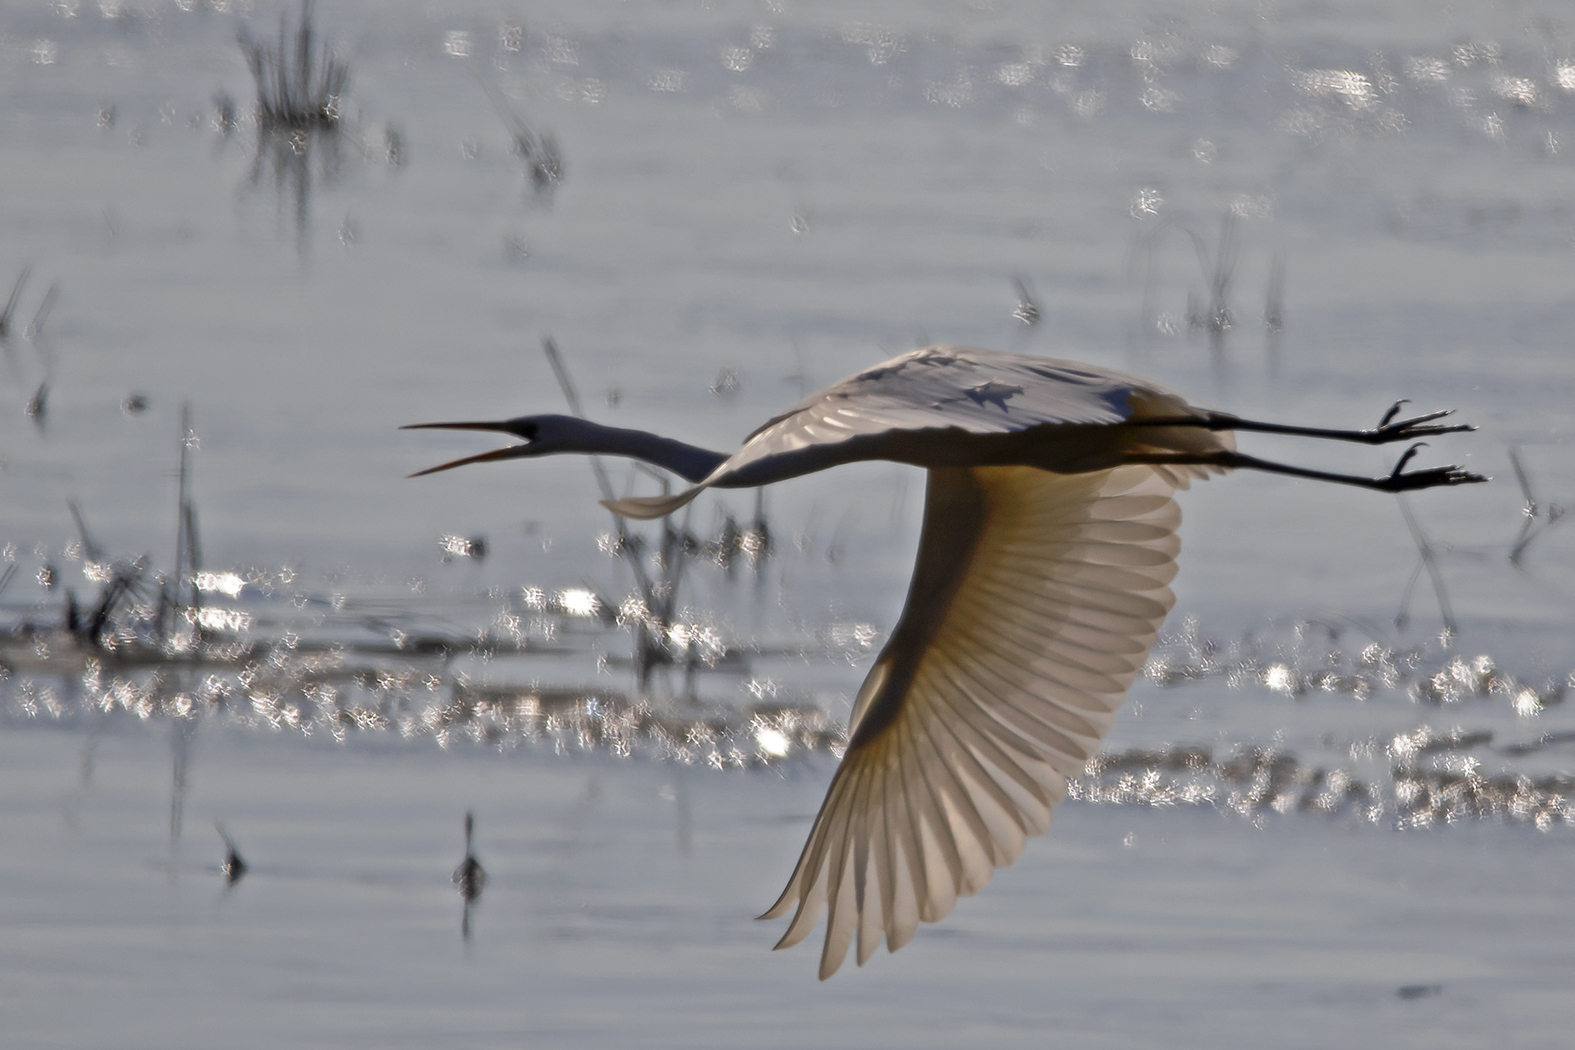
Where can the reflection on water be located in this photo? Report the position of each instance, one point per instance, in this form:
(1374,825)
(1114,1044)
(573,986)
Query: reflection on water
(1256,781)
(292,161)
(301,85)
(287,662)
(469,878)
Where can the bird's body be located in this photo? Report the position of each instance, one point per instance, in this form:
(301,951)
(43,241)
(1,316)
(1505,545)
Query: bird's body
(961,407)
(1048,544)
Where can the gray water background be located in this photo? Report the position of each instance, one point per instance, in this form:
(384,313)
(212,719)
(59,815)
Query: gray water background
(779,195)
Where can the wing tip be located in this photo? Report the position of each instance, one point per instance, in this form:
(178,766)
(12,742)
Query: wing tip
(644,508)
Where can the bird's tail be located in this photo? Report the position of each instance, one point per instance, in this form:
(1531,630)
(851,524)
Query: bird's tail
(643,508)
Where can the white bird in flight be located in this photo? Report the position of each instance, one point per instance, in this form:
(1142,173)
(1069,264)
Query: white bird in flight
(1048,544)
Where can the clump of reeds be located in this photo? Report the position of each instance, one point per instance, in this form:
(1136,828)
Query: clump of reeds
(299,86)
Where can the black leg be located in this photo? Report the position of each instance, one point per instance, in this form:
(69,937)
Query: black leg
(1396,481)
(1385,432)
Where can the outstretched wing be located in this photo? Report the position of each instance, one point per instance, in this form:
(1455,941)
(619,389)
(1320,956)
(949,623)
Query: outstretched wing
(914,407)
(985,391)
(1033,606)
(940,387)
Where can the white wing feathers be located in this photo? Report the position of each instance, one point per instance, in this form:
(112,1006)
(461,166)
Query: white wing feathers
(980,391)
(939,388)
(1012,656)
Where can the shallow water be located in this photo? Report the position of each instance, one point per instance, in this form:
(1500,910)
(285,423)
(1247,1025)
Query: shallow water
(1311,821)
(617,912)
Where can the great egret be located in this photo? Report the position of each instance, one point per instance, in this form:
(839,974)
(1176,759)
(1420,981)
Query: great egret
(1048,543)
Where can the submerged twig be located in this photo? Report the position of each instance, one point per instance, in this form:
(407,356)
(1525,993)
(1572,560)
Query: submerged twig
(1537,519)
(181,596)
(660,599)
(469,878)
(1429,561)
(539,150)
(233,867)
(1218,273)
(35,328)
(37,408)
(1027,310)
(1274,298)
(566,385)
(90,550)
(119,597)
(10,305)
(1274,312)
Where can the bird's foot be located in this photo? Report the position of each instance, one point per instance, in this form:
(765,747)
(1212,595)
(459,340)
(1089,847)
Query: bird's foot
(1390,430)
(1400,481)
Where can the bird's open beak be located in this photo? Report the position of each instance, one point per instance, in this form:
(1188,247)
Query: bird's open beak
(507,452)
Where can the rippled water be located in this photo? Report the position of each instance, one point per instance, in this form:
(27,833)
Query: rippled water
(1323,818)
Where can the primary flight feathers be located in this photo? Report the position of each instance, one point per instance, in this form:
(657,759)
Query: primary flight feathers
(1034,605)
(1048,543)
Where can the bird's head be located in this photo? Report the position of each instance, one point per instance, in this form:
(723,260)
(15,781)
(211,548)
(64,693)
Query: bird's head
(543,435)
